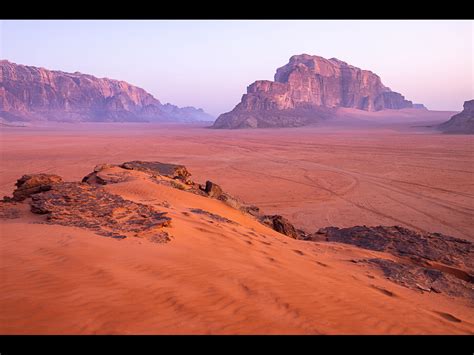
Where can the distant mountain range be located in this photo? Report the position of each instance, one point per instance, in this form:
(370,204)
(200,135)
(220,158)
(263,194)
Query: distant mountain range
(36,94)
(308,89)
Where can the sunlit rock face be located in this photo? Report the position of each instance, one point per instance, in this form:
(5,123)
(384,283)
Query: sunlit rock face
(306,90)
(29,93)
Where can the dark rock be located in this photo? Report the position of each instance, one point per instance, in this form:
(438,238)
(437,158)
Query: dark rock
(402,242)
(212,190)
(172,171)
(117,236)
(211,215)
(252,210)
(280,224)
(424,278)
(28,185)
(425,261)
(82,205)
(462,123)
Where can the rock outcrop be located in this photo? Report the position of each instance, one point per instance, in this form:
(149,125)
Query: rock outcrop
(86,205)
(462,123)
(212,189)
(423,261)
(308,89)
(29,185)
(281,225)
(172,171)
(29,93)
(82,205)
(104,174)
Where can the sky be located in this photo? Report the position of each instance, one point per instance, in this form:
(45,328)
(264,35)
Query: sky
(209,64)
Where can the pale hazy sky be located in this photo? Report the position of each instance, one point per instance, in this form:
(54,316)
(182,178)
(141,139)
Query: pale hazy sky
(209,64)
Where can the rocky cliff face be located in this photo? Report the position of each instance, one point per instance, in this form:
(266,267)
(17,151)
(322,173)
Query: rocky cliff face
(463,122)
(29,93)
(308,89)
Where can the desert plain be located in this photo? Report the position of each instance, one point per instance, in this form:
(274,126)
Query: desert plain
(237,279)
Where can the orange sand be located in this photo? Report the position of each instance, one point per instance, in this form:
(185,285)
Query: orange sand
(315,177)
(222,278)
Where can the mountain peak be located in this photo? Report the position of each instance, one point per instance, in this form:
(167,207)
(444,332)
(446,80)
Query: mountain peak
(307,89)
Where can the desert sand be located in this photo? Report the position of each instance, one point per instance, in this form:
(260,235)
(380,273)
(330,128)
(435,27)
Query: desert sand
(315,176)
(243,278)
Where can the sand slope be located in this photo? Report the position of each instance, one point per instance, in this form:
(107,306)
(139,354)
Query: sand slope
(211,278)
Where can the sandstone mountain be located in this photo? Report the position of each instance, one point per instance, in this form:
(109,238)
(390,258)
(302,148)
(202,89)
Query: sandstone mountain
(29,93)
(309,89)
(463,122)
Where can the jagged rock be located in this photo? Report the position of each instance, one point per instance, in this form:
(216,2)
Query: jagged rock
(172,171)
(213,190)
(280,224)
(93,179)
(307,90)
(28,185)
(252,210)
(28,93)
(82,205)
(463,122)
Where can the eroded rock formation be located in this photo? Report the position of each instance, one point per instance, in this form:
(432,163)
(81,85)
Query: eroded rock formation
(281,225)
(28,185)
(307,90)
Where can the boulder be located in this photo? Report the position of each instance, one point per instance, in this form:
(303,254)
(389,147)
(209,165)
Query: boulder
(280,224)
(213,190)
(28,185)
